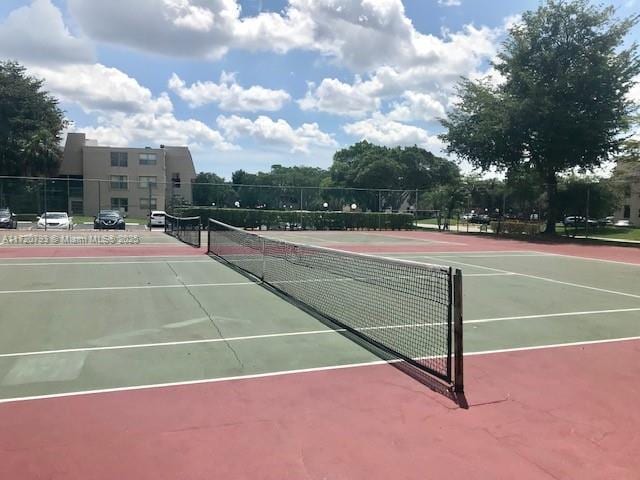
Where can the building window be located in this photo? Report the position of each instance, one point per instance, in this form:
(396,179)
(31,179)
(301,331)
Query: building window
(148,159)
(146,182)
(175,179)
(121,204)
(119,159)
(627,212)
(149,203)
(119,182)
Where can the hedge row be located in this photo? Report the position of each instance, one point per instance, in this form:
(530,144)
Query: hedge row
(281,220)
(516,227)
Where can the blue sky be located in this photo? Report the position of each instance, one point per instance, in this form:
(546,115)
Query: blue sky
(250,83)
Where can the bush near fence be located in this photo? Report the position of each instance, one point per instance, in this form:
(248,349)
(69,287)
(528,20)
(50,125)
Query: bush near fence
(278,220)
(516,227)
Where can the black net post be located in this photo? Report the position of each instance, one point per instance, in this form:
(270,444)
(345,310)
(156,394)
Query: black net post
(458,382)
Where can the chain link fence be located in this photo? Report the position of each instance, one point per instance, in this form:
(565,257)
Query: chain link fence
(584,208)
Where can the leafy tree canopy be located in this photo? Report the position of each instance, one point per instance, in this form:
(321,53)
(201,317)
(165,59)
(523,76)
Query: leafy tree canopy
(563,100)
(365,165)
(30,124)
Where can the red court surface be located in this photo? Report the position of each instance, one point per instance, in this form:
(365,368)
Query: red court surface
(425,242)
(457,243)
(536,414)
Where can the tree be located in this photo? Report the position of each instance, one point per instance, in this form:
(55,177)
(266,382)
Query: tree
(368,166)
(209,189)
(31,124)
(586,196)
(563,102)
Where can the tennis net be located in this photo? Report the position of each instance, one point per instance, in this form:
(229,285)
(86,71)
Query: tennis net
(185,229)
(403,308)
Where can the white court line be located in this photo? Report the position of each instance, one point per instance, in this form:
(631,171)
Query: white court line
(136,262)
(591,259)
(302,333)
(101,256)
(167,344)
(546,279)
(137,245)
(465,253)
(496,256)
(293,372)
(410,239)
(467,275)
(134,287)
(551,315)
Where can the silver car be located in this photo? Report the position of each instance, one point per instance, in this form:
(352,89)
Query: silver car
(55,220)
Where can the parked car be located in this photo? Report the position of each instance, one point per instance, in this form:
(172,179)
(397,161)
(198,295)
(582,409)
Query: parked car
(579,221)
(482,219)
(157,218)
(8,218)
(469,217)
(57,220)
(109,220)
(622,223)
(603,222)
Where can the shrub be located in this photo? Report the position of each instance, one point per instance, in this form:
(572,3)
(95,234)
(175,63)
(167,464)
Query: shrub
(281,220)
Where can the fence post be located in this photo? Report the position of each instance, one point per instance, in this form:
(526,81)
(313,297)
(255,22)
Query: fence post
(149,188)
(301,199)
(264,258)
(586,220)
(45,204)
(458,382)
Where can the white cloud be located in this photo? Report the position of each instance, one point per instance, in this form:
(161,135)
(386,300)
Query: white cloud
(334,96)
(37,34)
(362,35)
(382,131)
(450,3)
(437,66)
(189,28)
(277,132)
(97,88)
(417,106)
(126,112)
(155,129)
(228,94)
(191,17)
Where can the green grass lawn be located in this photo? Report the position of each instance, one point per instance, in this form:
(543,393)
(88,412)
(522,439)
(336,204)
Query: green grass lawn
(428,221)
(622,233)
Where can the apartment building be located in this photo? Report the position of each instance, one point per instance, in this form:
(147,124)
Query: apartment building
(132,180)
(630,205)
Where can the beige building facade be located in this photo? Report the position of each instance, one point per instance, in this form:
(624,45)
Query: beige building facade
(630,206)
(132,180)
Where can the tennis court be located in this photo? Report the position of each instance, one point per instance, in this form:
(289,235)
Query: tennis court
(156,361)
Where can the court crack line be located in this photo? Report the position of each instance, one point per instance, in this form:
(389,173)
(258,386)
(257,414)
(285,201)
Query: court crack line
(208,315)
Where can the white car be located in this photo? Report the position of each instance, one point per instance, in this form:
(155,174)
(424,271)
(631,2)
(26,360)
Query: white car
(622,223)
(157,218)
(55,220)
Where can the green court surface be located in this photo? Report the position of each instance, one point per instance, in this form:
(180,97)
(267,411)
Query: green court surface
(76,325)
